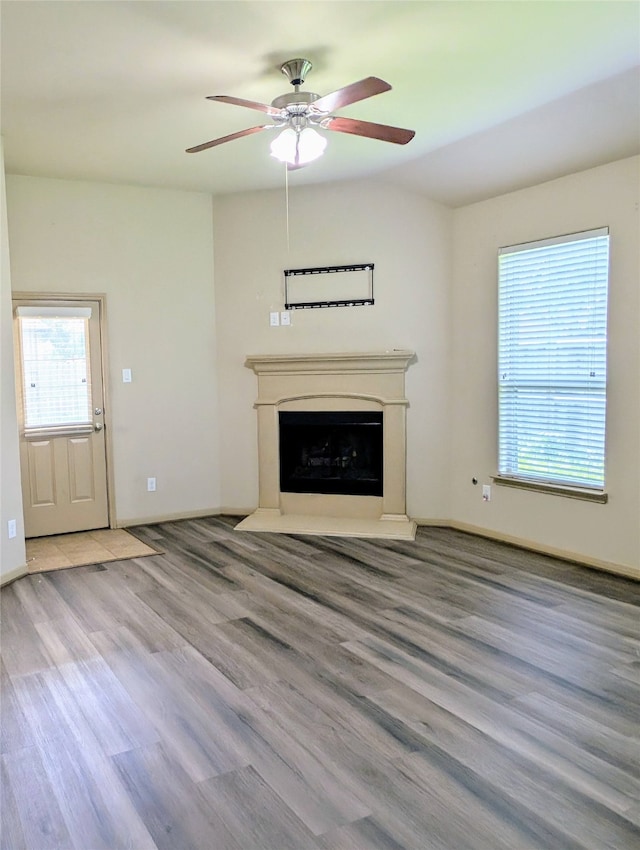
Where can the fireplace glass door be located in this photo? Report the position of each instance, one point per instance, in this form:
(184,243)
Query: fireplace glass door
(331,453)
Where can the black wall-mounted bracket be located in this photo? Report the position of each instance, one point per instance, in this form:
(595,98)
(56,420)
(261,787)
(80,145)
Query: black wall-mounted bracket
(329,286)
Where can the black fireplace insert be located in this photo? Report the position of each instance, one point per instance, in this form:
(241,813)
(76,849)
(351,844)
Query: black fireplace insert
(338,453)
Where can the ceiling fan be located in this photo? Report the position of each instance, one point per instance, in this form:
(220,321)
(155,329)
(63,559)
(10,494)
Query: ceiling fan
(298,113)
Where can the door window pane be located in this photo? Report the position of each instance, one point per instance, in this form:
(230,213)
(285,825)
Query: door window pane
(55,362)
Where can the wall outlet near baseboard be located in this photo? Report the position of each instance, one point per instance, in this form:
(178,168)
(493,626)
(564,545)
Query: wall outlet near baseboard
(151,485)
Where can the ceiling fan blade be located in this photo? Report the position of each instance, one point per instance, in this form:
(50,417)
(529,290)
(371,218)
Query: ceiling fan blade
(384,132)
(248,132)
(250,104)
(351,94)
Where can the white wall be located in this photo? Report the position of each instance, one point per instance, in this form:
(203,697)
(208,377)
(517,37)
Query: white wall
(12,551)
(407,237)
(151,252)
(602,196)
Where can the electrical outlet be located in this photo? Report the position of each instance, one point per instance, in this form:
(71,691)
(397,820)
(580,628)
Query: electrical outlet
(486,492)
(151,485)
(11,528)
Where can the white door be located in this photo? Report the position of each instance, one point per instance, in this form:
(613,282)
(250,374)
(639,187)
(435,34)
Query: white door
(61,410)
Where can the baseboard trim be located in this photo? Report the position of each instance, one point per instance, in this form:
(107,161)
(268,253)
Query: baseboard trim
(533,546)
(153,520)
(13,575)
(236,511)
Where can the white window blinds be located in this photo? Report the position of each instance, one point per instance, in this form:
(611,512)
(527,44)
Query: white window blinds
(552,359)
(55,379)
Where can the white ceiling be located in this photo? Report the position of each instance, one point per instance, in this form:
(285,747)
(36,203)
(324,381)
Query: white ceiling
(500,94)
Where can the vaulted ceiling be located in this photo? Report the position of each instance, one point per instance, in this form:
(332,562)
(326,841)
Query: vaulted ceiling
(500,94)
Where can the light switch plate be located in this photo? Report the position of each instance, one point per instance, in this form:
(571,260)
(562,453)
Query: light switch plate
(274,319)
(126,376)
(285,317)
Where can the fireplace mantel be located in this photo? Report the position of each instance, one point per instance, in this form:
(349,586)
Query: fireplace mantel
(360,381)
(385,361)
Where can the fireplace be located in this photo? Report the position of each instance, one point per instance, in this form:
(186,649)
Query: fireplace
(335,453)
(331,444)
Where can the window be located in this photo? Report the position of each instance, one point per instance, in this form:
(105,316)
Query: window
(552,360)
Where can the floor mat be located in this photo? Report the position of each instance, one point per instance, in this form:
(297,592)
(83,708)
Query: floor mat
(83,548)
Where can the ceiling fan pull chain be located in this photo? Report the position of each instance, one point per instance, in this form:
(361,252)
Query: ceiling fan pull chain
(286,194)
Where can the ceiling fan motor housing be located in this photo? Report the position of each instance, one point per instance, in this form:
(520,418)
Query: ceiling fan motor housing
(295,101)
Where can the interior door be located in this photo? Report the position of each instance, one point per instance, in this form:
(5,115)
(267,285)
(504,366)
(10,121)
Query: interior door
(61,409)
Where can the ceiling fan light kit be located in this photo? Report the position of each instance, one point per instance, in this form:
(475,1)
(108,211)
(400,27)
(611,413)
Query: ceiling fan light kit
(298,113)
(298,148)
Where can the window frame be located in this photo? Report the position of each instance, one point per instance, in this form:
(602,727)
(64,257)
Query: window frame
(548,481)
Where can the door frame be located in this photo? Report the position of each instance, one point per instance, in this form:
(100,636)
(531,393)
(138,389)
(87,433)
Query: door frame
(57,297)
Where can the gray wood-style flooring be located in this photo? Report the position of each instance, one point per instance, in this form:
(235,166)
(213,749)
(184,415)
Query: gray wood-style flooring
(268,692)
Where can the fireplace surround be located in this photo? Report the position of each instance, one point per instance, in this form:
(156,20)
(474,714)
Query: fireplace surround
(364,386)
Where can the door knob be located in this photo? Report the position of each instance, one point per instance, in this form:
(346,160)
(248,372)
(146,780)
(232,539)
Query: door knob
(97,426)
(98,411)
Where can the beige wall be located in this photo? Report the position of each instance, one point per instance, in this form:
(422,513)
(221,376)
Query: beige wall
(12,551)
(407,237)
(151,252)
(605,196)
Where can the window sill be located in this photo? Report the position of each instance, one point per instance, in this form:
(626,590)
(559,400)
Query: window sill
(553,489)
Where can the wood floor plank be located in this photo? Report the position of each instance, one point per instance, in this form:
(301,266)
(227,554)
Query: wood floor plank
(564,663)
(504,725)
(111,594)
(42,825)
(364,834)
(528,788)
(254,813)
(116,721)
(72,586)
(22,650)
(46,722)
(11,833)
(40,600)
(172,807)
(312,788)
(243,691)
(180,724)
(97,812)
(595,736)
(14,728)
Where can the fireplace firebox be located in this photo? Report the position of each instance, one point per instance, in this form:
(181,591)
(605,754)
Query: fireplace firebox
(331,452)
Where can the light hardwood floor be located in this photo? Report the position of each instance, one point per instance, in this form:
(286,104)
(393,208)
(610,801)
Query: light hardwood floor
(266,692)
